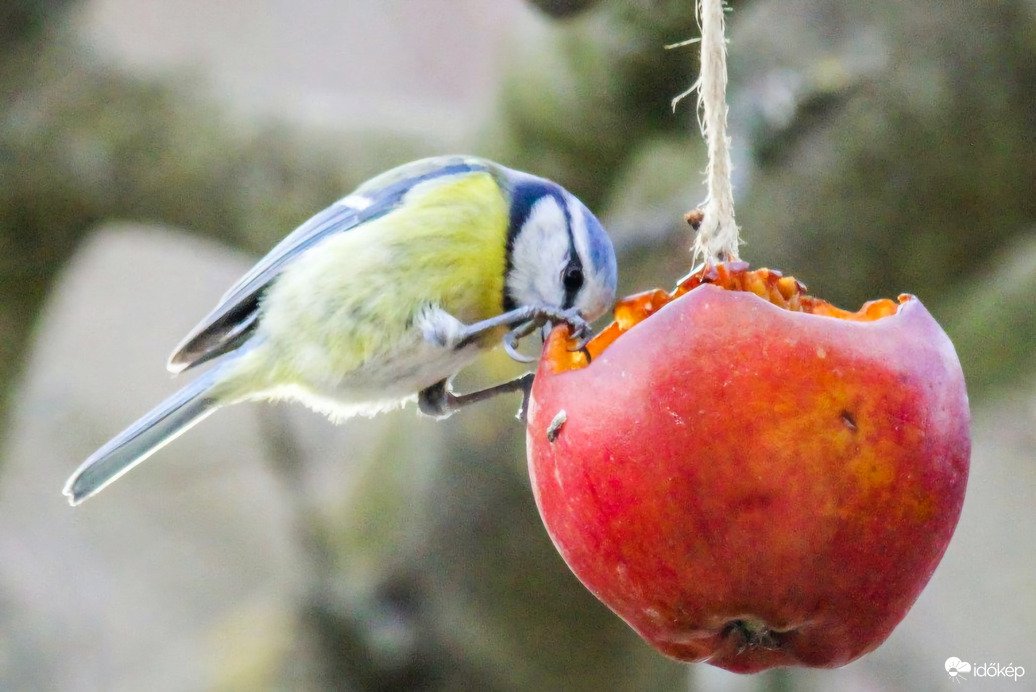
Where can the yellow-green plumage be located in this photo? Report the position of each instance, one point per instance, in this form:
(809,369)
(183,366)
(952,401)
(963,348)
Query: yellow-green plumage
(352,300)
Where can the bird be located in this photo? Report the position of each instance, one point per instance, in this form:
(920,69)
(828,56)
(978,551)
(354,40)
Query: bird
(382,298)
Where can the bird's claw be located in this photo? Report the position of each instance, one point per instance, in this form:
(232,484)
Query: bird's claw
(578,329)
(511,340)
(582,343)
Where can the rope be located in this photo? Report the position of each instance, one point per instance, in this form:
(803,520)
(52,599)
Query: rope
(717,237)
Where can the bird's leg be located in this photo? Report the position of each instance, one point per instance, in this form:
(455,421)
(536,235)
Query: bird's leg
(443,330)
(439,402)
(524,321)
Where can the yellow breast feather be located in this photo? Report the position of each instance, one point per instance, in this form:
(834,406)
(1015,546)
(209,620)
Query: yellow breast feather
(355,295)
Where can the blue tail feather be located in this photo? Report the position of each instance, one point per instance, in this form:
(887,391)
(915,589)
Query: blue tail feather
(145,437)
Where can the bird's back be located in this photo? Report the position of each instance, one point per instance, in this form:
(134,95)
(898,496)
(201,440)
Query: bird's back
(343,314)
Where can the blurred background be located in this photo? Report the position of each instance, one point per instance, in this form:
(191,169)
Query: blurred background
(150,152)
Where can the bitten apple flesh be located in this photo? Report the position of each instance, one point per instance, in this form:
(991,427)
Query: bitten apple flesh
(752,486)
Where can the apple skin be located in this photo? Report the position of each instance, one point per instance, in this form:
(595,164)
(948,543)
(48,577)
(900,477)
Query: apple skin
(751,486)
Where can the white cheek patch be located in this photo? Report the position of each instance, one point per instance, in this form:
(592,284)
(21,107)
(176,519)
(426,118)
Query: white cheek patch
(539,254)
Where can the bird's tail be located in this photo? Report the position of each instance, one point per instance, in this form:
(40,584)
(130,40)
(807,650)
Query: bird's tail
(163,424)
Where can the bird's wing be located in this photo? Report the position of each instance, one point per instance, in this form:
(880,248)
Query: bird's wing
(235,317)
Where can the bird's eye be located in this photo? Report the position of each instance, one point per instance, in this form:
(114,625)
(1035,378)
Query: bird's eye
(573,279)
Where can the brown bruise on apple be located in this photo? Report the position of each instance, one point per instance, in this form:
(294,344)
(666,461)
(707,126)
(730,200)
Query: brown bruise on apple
(751,482)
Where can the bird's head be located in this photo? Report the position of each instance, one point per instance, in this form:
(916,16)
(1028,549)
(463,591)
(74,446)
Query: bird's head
(558,255)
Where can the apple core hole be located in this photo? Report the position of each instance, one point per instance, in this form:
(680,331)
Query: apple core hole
(785,292)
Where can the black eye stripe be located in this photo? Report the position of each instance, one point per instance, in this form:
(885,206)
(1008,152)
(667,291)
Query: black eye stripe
(572,276)
(572,280)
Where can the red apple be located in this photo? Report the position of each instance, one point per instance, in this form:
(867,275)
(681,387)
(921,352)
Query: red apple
(752,485)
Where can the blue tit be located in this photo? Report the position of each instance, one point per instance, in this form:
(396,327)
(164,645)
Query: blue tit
(382,298)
